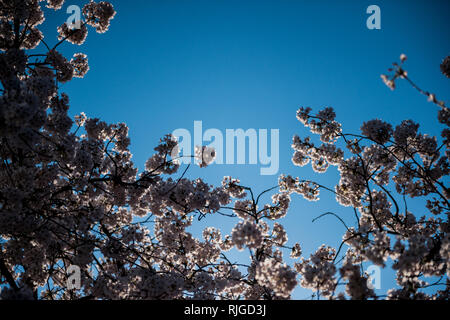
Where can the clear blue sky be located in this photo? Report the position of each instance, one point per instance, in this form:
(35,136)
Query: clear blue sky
(251,64)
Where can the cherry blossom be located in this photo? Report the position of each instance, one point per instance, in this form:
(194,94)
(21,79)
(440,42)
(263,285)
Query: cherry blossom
(70,194)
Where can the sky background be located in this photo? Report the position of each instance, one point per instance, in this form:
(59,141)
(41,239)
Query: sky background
(251,64)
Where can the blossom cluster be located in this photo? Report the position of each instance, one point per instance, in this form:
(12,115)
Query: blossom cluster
(380,158)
